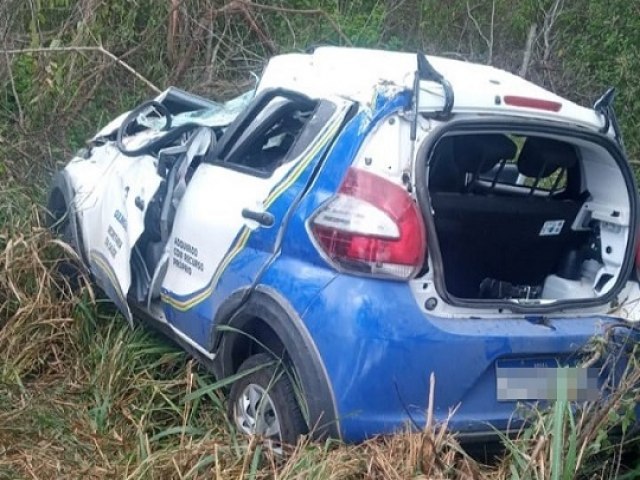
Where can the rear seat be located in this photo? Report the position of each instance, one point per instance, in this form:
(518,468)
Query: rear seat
(493,235)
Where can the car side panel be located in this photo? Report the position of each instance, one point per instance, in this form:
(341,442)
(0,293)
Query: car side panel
(253,246)
(112,193)
(299,272)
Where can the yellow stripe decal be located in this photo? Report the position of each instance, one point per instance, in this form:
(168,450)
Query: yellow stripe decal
(192,302)
(244,236)
(106,268)
(297,171)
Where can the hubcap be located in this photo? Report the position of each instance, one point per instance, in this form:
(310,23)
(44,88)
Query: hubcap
(255,413)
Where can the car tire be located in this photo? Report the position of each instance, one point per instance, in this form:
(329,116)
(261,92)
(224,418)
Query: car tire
(264,402)
(68,268)
(61,225)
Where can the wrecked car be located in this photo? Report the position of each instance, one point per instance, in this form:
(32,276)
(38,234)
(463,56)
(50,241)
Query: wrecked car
(362,221)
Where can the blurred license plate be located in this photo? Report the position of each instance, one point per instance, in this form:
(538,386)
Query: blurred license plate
(544,379)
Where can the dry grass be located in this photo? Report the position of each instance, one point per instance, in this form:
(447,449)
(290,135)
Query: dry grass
(84,396)
(34,304)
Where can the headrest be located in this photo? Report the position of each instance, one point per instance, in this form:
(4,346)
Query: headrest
(445,176)
(480,153)
(540,157)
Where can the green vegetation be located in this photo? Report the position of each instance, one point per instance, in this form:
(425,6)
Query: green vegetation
(63,94)
(84,396)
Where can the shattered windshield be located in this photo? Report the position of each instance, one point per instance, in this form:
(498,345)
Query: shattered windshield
(220,115)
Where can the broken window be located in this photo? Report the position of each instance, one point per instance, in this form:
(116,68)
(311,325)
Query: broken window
(268,142)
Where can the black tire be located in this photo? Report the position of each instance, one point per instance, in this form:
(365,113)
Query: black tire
(269,374)
(70,269)
(63,225)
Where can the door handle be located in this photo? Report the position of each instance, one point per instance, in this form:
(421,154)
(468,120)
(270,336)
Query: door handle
(265,219)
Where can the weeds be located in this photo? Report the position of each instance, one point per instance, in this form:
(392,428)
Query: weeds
(84,395)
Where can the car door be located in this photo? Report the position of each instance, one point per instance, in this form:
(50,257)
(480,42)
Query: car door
(227,224)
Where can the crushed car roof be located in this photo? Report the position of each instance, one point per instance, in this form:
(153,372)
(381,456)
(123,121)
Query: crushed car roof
(358,73)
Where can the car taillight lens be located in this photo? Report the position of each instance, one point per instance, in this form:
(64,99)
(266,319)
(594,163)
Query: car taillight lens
(371,226)
(537,103)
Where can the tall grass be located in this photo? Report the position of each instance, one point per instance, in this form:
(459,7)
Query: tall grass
(82,395)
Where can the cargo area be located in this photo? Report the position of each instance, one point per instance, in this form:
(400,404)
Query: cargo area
(528,217)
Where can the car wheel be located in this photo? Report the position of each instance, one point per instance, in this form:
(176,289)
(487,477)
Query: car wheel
(68,268)
(59,221)
(263,402)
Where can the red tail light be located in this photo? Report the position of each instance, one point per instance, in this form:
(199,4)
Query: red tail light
(537,103)
(371,226)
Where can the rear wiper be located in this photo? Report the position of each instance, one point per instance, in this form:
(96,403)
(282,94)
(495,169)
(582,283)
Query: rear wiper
(604,106)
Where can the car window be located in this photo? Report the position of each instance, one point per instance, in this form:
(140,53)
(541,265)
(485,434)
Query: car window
(531,173)
(556,182)
(269,140)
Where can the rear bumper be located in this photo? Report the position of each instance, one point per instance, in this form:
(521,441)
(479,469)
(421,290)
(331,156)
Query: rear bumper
(379,350)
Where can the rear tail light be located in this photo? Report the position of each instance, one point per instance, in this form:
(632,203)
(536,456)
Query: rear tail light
(537,103)
(372,226)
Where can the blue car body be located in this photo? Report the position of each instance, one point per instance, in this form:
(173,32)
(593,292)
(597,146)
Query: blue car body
(377,345)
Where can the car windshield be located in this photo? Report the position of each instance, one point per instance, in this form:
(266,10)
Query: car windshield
(219,116)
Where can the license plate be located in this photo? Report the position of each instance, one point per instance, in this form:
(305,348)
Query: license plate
(544,380)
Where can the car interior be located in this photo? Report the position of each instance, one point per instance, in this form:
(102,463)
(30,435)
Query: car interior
(257,142)
(512,218)
(264,145)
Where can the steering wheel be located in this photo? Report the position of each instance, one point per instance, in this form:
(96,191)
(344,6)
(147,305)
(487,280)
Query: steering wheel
(151,106)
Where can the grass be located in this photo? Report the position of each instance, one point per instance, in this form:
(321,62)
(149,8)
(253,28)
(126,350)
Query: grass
(82,395)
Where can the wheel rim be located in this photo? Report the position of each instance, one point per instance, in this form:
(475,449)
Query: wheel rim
(255,413)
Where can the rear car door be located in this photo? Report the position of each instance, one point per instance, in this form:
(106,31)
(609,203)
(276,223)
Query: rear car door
(234,209)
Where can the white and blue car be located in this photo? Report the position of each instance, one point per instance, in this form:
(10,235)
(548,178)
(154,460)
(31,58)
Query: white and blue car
(363,220)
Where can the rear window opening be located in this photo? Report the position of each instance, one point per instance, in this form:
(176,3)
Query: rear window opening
(528,217)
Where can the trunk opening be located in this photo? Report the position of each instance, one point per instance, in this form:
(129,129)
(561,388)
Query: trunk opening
(529,216)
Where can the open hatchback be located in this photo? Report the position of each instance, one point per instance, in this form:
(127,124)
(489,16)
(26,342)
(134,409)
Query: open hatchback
(527,215)
(532,207)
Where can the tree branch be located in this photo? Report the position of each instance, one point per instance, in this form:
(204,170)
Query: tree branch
(528,50)
(14,90)
(315,11)
(487,40)
(99,49)
(550,17)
